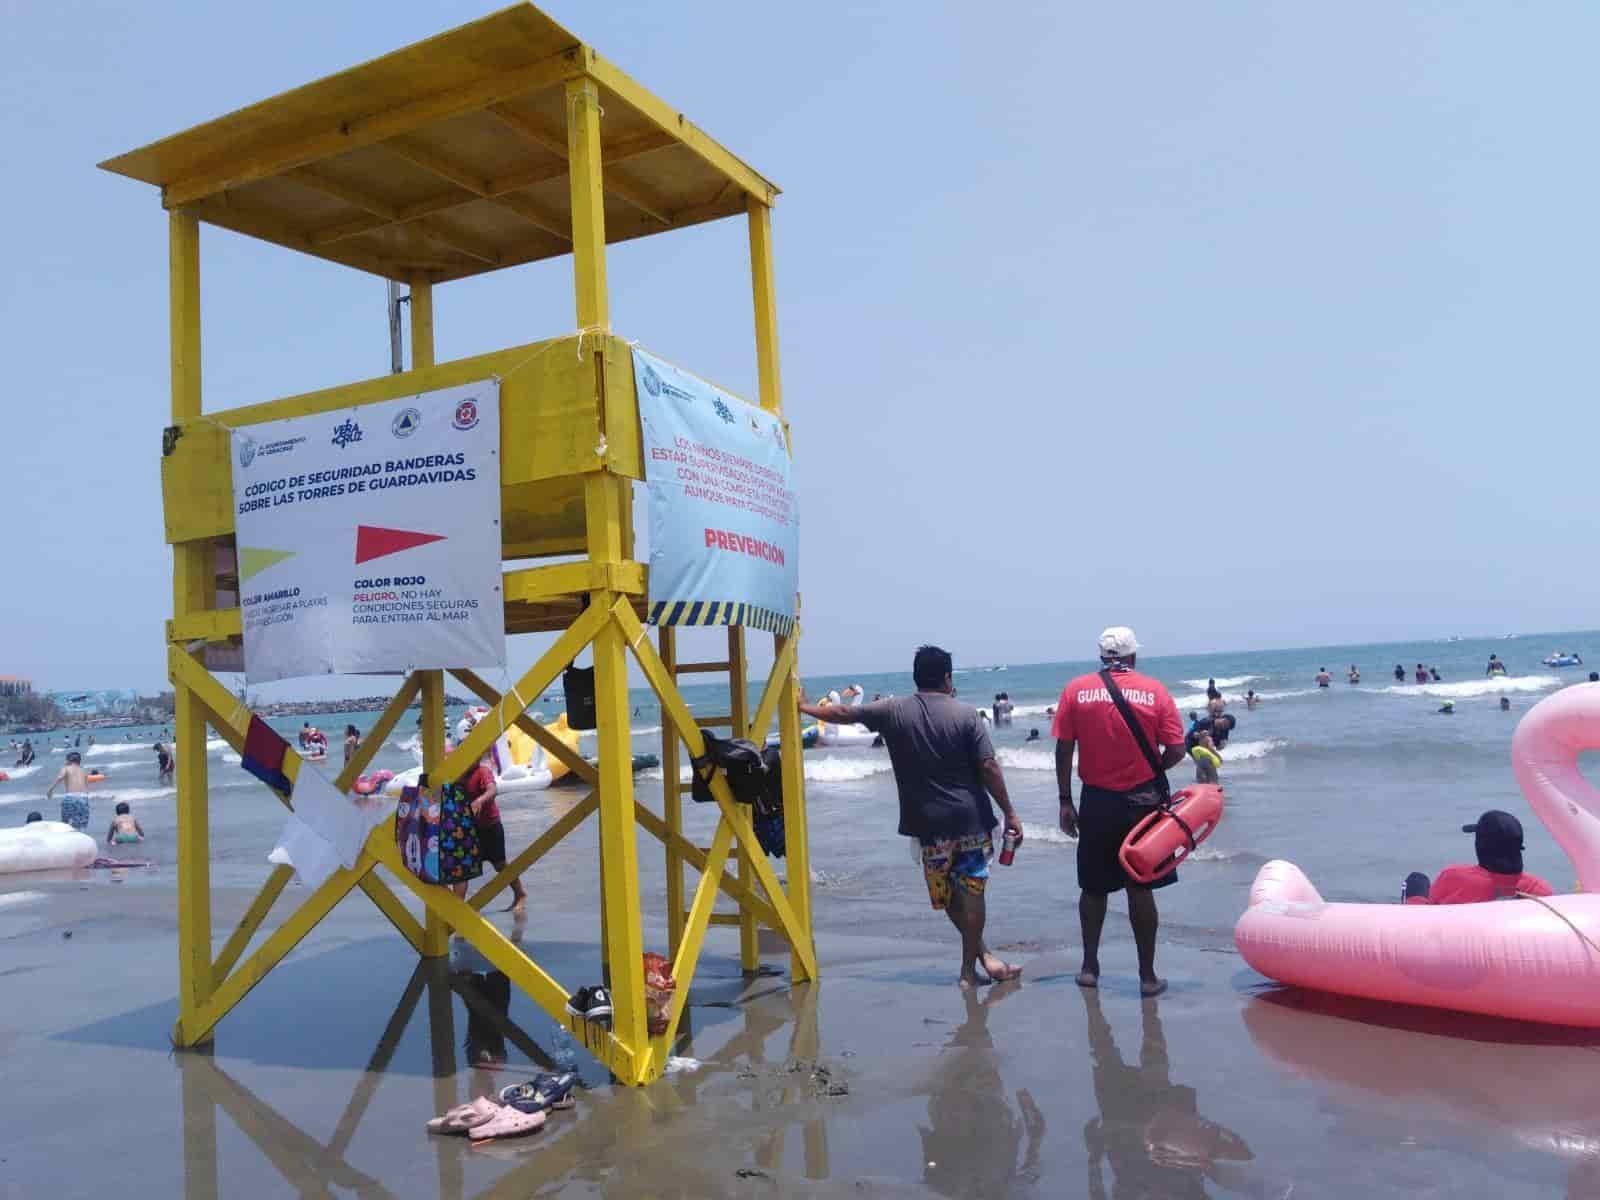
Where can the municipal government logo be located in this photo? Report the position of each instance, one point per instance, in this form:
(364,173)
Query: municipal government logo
(346,432)
(247,450)
(722,410)
(466,415)
(652,381)
(406,423)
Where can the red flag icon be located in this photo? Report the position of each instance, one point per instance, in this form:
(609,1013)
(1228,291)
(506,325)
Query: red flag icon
(374,541)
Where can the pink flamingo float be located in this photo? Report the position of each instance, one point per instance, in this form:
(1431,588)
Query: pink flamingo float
(1531,960)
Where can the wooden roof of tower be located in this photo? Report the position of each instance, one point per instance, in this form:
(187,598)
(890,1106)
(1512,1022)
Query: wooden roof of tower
(447,158)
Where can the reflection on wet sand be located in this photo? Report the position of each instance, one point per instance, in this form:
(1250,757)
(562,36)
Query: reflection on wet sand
(1426,1071)
(609,1148)
(973,1139)
(1149,1129)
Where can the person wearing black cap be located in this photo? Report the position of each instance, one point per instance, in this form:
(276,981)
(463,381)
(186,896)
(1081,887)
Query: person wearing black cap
(1498,874)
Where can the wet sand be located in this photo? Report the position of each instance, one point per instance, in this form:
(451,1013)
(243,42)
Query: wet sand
(882,1080)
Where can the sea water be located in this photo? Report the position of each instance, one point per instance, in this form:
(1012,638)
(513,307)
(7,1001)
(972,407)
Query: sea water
(1357,784)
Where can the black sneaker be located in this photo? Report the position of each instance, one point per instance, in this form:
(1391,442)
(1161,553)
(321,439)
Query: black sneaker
(590,1003)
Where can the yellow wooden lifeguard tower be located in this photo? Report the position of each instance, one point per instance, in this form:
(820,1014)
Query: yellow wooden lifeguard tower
(503,142)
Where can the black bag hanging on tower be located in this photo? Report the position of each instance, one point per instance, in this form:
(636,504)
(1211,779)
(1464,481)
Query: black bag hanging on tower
(740,760)
(767,813)
(578,684)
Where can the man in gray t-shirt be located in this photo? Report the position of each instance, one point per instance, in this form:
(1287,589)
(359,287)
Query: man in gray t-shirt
(945,770)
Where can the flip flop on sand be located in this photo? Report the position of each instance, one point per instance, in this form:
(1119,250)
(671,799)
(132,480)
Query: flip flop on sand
(464,1117)
(544,1091)
(507,1123)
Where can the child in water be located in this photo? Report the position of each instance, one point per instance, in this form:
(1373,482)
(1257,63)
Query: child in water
(124,827)
(1206,758)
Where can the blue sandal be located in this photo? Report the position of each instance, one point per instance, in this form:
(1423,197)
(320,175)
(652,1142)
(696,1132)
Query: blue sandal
(543,1092)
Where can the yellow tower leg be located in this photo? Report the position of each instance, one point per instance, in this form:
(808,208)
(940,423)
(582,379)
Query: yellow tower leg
(671,804)
(191,582)
(739,699)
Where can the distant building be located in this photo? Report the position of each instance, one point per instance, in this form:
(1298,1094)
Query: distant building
(12,685)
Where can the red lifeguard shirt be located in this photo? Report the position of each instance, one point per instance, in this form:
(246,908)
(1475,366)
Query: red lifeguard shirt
(1108,757)
(1472,884)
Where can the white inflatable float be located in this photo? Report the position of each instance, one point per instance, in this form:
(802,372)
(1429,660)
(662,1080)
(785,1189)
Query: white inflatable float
(844,735)
(520,763)
(45,846)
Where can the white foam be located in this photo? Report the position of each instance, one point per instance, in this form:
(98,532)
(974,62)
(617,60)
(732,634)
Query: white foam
(113,749)
(1020,758)
(1477,687)
(1243,751)
(16,773)
(233,760)
(1031,710)
(1310,691)
(1049,834)
(133,795)
(1198,700)
(844,770)
(18,899)
(1222,681)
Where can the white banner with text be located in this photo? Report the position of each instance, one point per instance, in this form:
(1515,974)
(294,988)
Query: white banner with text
(369,538)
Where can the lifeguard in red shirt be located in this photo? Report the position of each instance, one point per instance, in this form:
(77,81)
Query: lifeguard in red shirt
(1121,783)
(1498,874)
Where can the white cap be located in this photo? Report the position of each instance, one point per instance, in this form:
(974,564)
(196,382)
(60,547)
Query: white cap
(1118,642)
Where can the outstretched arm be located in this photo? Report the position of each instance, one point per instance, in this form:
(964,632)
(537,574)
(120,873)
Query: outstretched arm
(833,714)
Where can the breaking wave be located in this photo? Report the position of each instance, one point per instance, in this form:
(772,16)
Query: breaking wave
(1477,687)
(1223,681)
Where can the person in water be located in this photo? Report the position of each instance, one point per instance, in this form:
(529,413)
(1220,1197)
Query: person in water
(1251,700)
(1434,671)
(34,816)
(1399,673)
(1498,874)
(1220,728)
(1206,758)
(1119,783)
(1422,673)
(1496,667)
(1033,736)
(124,827)
(74,782)
(164,763)
(1505,704)
(1323,678)
(1354,674)
(352,743)
(945,773)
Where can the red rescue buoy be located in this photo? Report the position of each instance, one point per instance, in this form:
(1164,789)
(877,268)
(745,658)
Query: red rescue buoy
(1157,844)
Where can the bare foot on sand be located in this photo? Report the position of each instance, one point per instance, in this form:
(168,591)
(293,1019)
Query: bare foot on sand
(968,981)
(999,970)
(1152,987)
(519,905)
(1088,978)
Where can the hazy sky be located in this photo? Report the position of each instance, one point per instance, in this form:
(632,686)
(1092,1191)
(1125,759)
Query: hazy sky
(1247,324)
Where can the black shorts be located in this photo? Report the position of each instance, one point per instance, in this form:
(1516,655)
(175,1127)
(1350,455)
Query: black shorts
(1104,821)
(492,843)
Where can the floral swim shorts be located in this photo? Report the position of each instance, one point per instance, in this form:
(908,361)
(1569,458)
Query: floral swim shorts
(75,810)
(963,860)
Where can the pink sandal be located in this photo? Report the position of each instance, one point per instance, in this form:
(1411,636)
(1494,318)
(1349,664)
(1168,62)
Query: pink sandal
(465,1117)
(507,1123)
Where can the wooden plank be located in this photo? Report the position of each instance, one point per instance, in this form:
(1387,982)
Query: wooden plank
(533,683)
(554,746)
(672,122)
(206,625)
(529,127)
(311,146)
(588,204)
(250,922)
(733,813)
(542,845)
(796,831)
(192,583)
(764,294)
(421,322)
(284,939)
